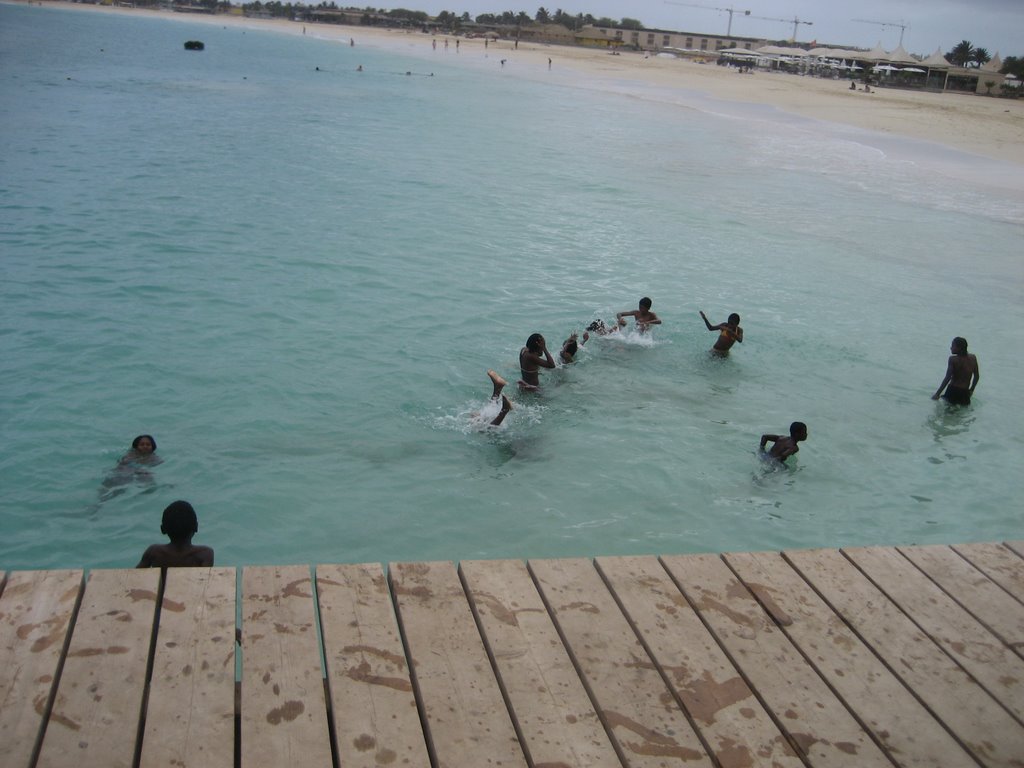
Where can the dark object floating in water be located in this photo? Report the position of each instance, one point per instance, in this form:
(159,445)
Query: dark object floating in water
(194,45)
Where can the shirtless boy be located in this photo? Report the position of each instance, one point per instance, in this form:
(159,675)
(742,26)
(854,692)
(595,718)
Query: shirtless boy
(179,524)
(729,333)
(961,375)
(532,358)
(783,447)
(643,316)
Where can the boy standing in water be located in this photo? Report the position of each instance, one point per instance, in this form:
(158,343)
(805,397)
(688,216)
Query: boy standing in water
(729,333)
(784,447)
(180,524)
(643,316)
(961,375)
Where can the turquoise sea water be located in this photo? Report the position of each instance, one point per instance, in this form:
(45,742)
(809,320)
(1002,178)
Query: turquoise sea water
(297,279)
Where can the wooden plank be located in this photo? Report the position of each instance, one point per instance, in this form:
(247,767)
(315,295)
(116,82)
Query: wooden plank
(556,718)
(975,592)
(95,719)
(974,717)
(467,720)
(907,731)
(732,721)
(1000,563)
(636,705)
(283,710)
(1016,546)
(190,719)
(972,646)
(35,612)
(816,721)
(376,721)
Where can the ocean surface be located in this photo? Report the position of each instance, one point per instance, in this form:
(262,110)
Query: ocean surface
(296,279)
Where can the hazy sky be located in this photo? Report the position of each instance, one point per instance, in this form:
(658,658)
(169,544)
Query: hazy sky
(997,25)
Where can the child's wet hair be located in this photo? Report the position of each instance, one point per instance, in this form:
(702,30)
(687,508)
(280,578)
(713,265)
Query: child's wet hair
(179,520)
(140,438)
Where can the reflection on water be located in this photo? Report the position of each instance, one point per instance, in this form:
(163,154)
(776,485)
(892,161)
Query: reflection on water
(949,426)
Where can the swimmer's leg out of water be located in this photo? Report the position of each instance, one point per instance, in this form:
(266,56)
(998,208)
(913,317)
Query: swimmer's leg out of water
(506,405)
(498,382)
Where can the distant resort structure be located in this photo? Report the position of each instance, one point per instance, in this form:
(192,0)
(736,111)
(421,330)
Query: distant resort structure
(878,67)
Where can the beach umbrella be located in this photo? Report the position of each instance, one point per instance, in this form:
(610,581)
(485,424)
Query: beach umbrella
(884,68)
(912,69)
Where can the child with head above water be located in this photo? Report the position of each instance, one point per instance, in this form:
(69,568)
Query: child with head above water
(179,524)
(728,333)
(643,316)
(783,447)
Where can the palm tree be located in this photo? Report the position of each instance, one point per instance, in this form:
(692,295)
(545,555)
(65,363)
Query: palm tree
(962,53)
(543,17)
(980,57)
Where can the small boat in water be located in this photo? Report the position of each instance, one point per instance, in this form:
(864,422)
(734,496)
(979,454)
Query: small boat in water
(194,45)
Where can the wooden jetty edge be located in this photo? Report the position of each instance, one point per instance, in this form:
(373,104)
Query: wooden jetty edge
(876,656)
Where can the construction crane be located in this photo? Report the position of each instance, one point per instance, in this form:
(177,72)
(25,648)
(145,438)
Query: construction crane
(901,25)
(730,11)
(795,21)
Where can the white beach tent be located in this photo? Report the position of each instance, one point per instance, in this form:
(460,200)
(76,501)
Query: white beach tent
(900,56)
(936,61)
(876,54)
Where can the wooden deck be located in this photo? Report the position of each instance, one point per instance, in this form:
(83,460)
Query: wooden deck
(861,657)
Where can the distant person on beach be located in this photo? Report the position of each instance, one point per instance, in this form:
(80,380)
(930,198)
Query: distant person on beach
(532,358)
(962,375)
(179,524)
(643,316)
(783,447)
(729,333)
(133,467)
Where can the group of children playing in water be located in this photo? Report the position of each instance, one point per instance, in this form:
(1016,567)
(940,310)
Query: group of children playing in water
(535,355)
(180,524)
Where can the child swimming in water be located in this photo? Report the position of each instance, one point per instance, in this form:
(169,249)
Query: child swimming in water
(532,358)
(506,405)
(133,467)
(643,316)
(783,447)
(729,333)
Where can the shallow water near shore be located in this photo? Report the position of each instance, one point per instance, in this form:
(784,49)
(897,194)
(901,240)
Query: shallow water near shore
(297,279)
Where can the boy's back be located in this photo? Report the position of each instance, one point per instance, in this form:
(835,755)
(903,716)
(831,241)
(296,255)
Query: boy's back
(175,556)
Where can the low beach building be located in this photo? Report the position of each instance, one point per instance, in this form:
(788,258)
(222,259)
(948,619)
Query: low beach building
(658,40)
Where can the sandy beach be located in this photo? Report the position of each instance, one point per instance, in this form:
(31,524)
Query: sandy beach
(986,126)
